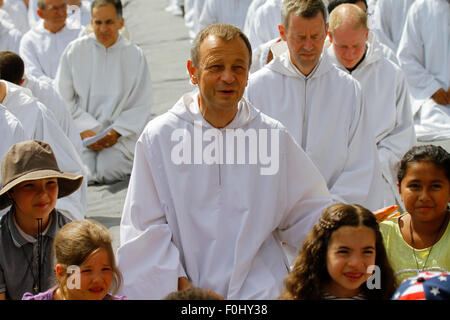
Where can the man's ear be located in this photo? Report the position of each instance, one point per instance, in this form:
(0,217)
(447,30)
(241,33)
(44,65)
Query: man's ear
(192,71)
(330,36)
(122,23)
(282,32)
(40,13)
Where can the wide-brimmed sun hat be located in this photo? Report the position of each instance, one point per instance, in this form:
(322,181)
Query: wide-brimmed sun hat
(33,160)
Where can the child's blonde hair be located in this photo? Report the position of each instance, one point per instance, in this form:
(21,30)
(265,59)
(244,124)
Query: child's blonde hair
(76,241)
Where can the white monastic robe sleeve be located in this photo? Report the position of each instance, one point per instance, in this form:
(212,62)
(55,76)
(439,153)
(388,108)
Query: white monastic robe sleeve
(208,15)
(143,223)
(135,115)
(411,55)
(392,147)
(65,86)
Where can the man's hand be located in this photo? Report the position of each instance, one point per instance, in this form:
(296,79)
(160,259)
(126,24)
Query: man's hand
(109,140)
(442,97)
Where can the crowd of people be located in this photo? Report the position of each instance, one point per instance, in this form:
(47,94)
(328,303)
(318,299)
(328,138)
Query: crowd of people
(310,161)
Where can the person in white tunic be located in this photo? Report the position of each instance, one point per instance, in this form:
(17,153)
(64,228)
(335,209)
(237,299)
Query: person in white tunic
(263,25)
(214,218)
(12,69)
(109,93)
(40,123)
(9,37)
(390,16)
(219,11)
(193,10)
(42,46)
(254,5)
(383,85)
(17,10)
(320,105)
(11,130)
(78,13)
(424,54)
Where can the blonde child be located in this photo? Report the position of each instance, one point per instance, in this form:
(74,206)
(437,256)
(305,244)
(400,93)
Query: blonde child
(31,185)
(85,265)
(338,256)
(419,241)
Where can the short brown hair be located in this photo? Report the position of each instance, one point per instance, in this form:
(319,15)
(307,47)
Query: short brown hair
(226,32)
(11,67)
(304,8)
(76,241)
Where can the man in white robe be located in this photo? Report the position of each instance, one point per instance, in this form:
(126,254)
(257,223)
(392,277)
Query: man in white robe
(321,106)
(215,218)
(17,10)
(218,11)
(40,123)
(384,86)
(9,38)
(193,10)
(254,5)
(42,46)
(11,131)
(108,93)
(390,16)
(12,69)
(263,25)
(424,55)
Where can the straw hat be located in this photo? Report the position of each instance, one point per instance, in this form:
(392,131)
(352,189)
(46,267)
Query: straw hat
(33,160)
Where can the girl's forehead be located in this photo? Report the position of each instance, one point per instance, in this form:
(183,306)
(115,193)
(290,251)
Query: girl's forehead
(428,167)
(352,236)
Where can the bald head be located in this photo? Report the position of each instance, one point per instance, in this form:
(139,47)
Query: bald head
(348,33)
(347,16)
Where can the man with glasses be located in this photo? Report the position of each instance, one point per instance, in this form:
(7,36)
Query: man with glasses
(42,46)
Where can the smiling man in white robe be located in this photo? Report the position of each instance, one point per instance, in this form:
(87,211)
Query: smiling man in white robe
(105,81)
(384,86)
(42,46)
(320,105)
(216,187)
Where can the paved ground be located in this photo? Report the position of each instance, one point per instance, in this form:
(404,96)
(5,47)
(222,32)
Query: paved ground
(164,39)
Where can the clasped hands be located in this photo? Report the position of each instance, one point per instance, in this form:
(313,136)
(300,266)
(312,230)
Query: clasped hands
(108,141)
(442,97)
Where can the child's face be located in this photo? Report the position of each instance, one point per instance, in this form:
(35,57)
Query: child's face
(96,276)
(35,198)
(350,252)
(425,190)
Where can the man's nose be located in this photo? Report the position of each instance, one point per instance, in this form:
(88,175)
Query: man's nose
(228,76)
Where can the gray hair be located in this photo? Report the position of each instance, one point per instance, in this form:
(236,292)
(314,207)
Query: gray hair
(226,32)
(41,4)
(303,8)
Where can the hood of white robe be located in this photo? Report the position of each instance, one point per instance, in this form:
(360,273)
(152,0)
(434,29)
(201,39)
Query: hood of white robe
(187,108)
(17,96)
(282,63)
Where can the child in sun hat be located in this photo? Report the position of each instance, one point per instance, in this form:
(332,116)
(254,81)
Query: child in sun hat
(31,184)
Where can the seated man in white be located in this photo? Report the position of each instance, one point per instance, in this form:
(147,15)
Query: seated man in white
(9,37)
(105,81)
(204,206)
(321,106)
(218,11)
(383,85)
(40,123)
(42,46)
(424,54)
(12,70)
(17,10)
(11,130)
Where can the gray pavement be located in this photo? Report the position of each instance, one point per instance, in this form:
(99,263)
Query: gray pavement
(164,39)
